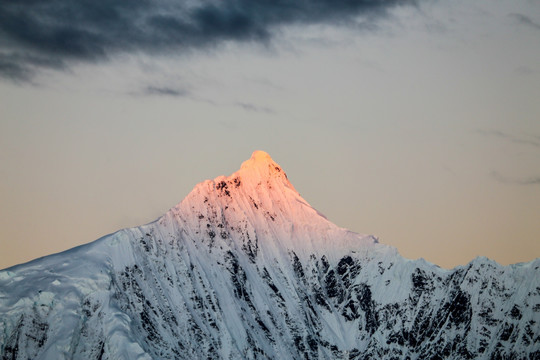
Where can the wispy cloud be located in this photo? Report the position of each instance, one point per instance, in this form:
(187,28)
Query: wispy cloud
(523,140)
(517,181)
(526,20)
(255,108)
(172,91)
(165,91)
(523,70)
(60,32)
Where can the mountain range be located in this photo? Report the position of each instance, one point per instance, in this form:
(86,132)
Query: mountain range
(245,268)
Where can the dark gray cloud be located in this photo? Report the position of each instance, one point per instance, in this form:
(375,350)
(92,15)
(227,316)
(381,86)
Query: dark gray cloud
(17,66)
(525,20)
(12,70)
(36,34)
(516,181)
(531,140)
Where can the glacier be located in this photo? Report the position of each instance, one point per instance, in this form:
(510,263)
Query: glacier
(245,268)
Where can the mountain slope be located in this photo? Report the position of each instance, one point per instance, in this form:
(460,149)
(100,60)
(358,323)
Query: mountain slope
(244,268)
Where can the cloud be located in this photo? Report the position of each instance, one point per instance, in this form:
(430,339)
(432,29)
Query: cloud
(523,70)
(165,91)
(21,67)
(516,181)
(12,70)
(255,108)
(63,32)
(525,20)
(531,141)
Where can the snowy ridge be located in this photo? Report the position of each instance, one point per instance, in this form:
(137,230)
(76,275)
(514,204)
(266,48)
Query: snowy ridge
(244,268)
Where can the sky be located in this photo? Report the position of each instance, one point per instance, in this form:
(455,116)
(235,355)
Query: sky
(415,121)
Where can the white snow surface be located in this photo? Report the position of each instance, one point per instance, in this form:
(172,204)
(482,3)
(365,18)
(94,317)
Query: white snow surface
(245,268)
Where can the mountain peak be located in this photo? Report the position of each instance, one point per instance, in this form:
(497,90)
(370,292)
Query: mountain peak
(258,200)
(257,177)
(261,167)
(260,159)
(259,155)
(242,266)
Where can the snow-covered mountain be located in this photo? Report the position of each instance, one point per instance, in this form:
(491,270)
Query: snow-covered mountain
(244,268)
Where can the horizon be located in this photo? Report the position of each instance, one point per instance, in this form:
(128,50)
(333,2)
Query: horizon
(416,122)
